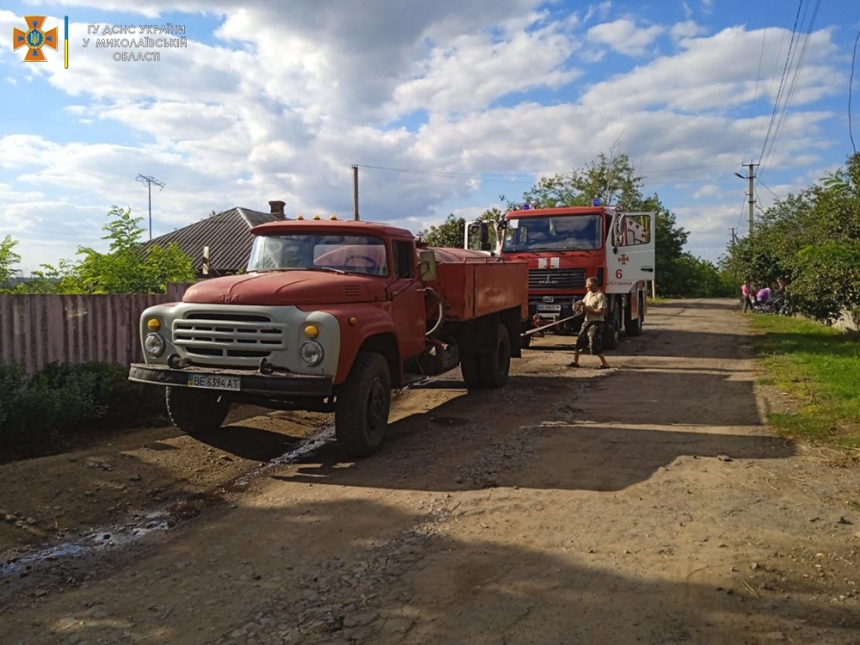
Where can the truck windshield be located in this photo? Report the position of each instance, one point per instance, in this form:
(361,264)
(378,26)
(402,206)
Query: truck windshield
(559,233)
(363,254)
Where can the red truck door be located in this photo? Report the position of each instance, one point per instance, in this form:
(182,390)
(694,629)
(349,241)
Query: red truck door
(630,251)
(407,295)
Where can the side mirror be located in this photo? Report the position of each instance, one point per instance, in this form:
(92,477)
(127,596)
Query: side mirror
(427,265)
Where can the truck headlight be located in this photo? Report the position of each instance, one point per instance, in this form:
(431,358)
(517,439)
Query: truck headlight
(311,353)
(153,345)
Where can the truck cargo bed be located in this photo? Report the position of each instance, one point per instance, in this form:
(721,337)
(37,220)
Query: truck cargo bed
(474,285)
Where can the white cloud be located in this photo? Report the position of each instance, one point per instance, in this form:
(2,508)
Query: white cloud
(706,191)
(687,29)
(718,72)
(283,116)
(624,36)
(475,70)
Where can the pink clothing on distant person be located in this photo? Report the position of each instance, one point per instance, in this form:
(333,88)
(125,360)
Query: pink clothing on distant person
(745,290)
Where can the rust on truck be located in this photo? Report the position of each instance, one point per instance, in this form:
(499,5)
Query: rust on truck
(331,315)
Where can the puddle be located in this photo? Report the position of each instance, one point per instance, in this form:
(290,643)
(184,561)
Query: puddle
(123,536)
(103,540)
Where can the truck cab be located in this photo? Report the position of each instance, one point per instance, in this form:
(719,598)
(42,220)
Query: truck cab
(565,246)
(330,316)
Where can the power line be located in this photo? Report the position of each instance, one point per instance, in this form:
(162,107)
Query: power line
(492,177)
(777,197)
(781,82)
(796,76)
(850,86)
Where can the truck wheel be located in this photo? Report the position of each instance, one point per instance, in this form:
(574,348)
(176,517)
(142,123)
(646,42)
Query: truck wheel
(611,329)
(633,326)
(196,411)
(494,367)
(470,366)
(362,406)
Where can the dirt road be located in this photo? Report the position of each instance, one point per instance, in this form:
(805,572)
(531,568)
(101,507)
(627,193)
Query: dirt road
(647,504)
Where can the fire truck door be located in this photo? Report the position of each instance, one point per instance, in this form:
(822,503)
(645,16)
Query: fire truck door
(630,251)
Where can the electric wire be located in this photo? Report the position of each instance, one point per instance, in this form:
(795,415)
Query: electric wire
(850,89)
(793,85)
(779,93)
(777,197)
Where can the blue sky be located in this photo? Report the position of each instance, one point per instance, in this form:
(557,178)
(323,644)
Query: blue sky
(277,100)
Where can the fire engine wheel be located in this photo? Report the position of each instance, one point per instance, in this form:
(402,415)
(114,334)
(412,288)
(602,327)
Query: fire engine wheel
(494,367)
(470,366)
(611,329)
(362,406)
(194,411)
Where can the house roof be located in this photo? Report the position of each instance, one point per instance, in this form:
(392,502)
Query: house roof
(227,234)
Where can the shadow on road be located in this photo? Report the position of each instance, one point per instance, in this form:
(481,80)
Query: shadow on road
(416,585)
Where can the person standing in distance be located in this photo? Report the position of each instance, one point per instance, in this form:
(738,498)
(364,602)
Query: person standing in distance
(591,333)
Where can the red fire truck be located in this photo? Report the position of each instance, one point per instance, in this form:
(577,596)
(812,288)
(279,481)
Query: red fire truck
(565,246)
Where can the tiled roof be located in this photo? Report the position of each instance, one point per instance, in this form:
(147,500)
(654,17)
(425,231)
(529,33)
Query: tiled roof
(226,234)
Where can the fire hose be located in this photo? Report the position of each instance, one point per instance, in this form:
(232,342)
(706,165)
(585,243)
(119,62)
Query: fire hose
(441,318)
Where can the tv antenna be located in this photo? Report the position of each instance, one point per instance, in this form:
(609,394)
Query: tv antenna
(149,181)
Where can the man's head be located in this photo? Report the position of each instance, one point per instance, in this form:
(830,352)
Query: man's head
(592,284)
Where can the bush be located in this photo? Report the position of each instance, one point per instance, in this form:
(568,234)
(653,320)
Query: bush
(39,416)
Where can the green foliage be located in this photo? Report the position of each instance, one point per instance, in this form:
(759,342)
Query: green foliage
(450,233)
(828,279)
(8,257)
(820,367)
(811,240)
(692,277)
(38,416)
(126,268)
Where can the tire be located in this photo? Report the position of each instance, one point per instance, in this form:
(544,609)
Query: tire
(611,330)
(633,326)
(494,367)
(469,365)
(196,412)
(362,406)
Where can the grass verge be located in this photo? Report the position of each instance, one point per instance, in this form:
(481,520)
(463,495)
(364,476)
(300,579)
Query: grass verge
(819,368)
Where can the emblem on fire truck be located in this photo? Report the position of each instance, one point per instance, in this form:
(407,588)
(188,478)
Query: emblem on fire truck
(623,259)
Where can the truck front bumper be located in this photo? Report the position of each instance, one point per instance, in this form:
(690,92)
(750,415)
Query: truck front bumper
(296,385)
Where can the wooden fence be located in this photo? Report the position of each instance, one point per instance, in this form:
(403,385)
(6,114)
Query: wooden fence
(38,329)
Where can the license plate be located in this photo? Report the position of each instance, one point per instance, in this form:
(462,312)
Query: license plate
(210,382)
(549,307)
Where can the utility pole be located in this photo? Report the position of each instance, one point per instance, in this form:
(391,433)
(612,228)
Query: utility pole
(751,194)
(149,181)
(355,192)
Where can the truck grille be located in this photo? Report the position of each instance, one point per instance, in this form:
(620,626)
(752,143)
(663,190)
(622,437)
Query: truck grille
(549,279)
(227,335)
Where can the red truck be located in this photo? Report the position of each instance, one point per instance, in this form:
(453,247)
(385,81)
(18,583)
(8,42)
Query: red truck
(565,246)
(331,316)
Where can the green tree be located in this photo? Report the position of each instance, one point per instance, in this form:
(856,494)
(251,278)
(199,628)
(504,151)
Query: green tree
(8,258)
(812,239)
(127,267)
(448,234)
